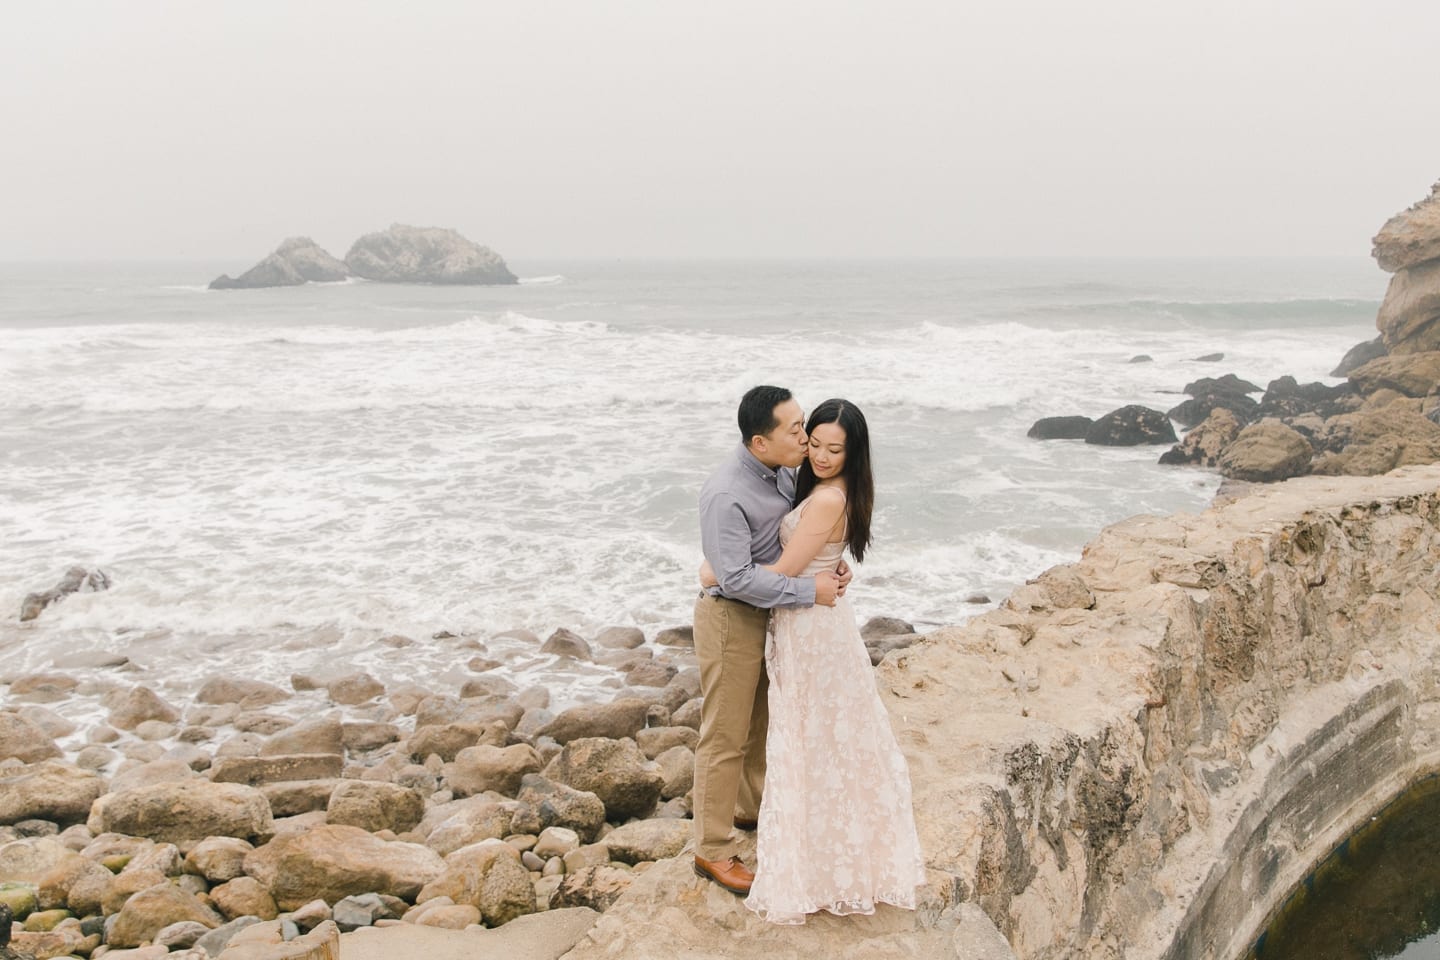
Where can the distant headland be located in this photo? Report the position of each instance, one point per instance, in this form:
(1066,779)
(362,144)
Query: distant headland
(401,254)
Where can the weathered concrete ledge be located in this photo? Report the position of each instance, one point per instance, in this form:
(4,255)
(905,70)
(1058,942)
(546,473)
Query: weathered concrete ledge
(1138,755)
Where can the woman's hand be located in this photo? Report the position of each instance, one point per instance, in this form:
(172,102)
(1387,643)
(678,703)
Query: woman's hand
(707,576)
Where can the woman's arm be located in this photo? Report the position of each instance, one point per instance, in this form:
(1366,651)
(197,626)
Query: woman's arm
(822,521)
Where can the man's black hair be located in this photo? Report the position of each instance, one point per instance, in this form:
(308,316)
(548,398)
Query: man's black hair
(757,410)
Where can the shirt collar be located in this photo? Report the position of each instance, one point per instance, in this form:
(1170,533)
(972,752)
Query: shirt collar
(753,464)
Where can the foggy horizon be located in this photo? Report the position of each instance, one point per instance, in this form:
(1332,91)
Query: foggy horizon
(165,131)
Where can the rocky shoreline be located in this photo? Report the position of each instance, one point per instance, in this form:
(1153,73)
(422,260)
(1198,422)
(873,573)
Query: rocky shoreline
(1386,414)
(339,803)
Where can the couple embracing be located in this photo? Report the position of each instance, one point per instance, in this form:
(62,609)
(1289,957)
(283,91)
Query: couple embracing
(794,740)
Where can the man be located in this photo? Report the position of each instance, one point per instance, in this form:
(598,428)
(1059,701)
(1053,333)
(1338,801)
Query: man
(741,506)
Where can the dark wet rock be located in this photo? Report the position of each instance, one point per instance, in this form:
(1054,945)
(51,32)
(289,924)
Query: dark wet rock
(1060,428)
(1228,384)
(1359,355)
(1131,426)
(1141,358)
(1286,398)
(1191,412)
(1209,358)
(405,254)
(76,580)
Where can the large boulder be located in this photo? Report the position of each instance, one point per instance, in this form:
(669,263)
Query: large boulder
(596,887)
(1204,444)
(642,840)
(478,769)
(185,812)
(30,859)
(374,806)
(130,708)
(1284,397)
(457,824)
(246,693)
(218,859)
(488,876)
(1412,374)
(1375,441)
(620,718)
(296,261)
(1131,426)
(148,912)
(318,735)
(1409,313)
(405,254)
(1358,356)
(1410,237)
(560,805)
(76,883)
(616,771)
(1060,428)
(51,790)
(1265,452)
(24,741)
(1194,411)
(331,862)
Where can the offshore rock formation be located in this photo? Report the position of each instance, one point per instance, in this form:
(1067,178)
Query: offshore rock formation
(400,254)
(1141,754)
(1380,419)
(405,254)
(297,260)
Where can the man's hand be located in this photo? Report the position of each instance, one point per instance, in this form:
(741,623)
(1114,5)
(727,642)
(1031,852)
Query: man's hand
(827,588)
(846,575)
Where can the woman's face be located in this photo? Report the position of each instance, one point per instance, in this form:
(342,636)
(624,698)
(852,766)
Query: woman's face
(827,450)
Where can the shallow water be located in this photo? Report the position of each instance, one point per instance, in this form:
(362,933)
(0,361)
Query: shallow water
(1376,896)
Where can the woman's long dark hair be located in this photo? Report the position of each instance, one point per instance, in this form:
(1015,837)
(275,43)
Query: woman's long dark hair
(859,481)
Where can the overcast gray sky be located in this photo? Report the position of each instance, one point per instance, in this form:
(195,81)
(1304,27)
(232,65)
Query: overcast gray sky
(140,129)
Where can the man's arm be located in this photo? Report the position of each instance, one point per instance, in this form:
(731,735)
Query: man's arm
(725,539)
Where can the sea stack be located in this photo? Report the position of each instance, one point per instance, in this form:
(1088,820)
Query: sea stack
(298,260)
(405,254)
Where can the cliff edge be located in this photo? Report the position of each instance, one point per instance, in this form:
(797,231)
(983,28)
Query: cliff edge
(1140,754)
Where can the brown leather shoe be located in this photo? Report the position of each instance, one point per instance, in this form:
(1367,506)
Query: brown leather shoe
(747,825)
(730,874)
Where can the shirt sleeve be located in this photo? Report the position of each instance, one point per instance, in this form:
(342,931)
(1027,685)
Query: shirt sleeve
(725,538)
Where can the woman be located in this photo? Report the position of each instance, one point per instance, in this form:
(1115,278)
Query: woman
(836,830)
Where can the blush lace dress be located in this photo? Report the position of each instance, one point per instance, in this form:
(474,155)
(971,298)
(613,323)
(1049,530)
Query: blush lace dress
(836,830)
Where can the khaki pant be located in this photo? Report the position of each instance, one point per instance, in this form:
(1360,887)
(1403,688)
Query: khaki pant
(730,758)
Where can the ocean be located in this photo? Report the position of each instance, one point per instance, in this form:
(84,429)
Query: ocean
(278,480)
